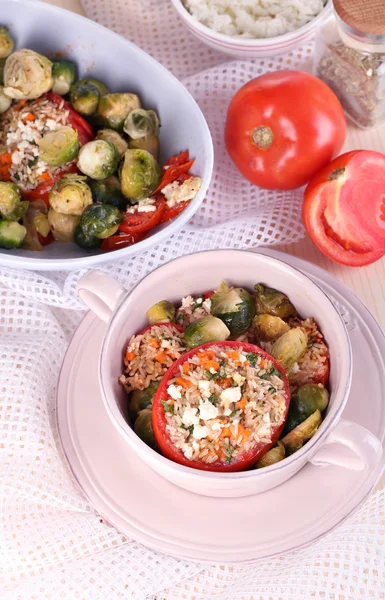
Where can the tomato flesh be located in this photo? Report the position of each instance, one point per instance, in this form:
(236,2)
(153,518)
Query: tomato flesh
(243,460)
(139,222)
(171,213)
(121,241)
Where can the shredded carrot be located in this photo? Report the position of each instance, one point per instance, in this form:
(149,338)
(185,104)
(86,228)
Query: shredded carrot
(242,403)
(29,117)
(153,343)
(246,363)
(45,176)
(246,434)
(171,355)
(183,382)
(171,401)
(186,368)
(206,355)
(262,363)
(20,105)
(241,429)
(226,432)
(130,355)
(211,364)
(233,354)
(161,357)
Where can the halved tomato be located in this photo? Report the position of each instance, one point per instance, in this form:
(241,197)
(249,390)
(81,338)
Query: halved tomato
(344,208)
(139,222)
(121,241)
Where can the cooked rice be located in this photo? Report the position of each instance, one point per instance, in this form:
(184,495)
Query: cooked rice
(192,308)
(314,365)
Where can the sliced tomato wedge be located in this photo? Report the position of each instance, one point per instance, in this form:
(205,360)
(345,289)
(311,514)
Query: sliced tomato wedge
(77,122)
(175,170)
(139,222)
(41,191)
(245,459)
(171,213)
(177,159)
(344,208)
(115,242)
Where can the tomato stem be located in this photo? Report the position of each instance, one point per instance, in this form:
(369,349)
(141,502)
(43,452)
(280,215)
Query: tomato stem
(262,137)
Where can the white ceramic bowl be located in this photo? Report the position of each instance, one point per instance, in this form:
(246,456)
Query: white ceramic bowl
(195,273)
(123,67)
(250,48)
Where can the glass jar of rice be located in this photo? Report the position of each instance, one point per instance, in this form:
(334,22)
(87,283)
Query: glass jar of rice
(350,58)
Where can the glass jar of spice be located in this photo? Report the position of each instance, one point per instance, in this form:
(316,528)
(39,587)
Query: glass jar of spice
(350,58)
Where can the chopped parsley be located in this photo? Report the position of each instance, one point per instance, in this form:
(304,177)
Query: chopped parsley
(230,451)
(167,407)
(252,358)
(213,399)
(17,176)
(33,161)
(211,375)
(275,371)
(233,413)
(266,376)
(190,429)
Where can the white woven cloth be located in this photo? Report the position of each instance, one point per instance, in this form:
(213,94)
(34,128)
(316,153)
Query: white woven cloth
(52,543)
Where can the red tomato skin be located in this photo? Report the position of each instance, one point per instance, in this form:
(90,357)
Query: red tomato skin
(120,241)
(245,460)
(77,122)
(307,122)
(141,222)
(171,213)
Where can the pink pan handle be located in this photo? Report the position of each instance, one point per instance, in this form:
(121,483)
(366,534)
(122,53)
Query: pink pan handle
(101,293)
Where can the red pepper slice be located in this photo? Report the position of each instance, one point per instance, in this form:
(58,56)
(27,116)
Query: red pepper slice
(171,213)
(77,122)
(139,222)
(115,242)
(177,159)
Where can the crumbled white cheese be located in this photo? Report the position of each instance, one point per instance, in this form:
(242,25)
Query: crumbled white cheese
(265,429)
(187,302)
(165,344)
(144,206)
(238,378)
(199,300)
(200,432)
(204,387)
(51,124)
(295,368)
(189,416)
(173,391)
(242,358)
(216,426)
(207,304)
(176,193)
(207,411)
(187,451)
(230,395)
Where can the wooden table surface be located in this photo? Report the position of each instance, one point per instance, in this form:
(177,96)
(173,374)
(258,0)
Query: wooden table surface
(368,283)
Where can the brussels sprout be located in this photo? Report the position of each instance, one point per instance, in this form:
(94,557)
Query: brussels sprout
(268,328)
(64,75)
(5,101)
(70,195)
(143,428)
(293,419)
(163,311)
(59,147)
(141,399)
(141,123)
(41,223)
(271,457)
(139,174)
(30,220)
(107,191)
(85,95)
(234,306)
(11,234)
(6,42)
(2,66)
(27,75)
(62,226)
(9,198)
(297,437)
(109,135)
(271,302)
(98,159)
(290,347)
(150,143)
(308,398)
(114,109)
(85,241)
(207,329)
(100,220)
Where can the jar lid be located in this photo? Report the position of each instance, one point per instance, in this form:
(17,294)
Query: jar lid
(364,16)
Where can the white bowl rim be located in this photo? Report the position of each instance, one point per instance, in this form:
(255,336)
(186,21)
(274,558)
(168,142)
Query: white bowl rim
(127,431)
(251,43)
(87,261)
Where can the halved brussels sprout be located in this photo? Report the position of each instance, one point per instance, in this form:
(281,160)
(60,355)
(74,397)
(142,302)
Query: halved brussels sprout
(41,223)
(59,147)
(70,195)
(109,135)
(271,457)
(12,234)
(98,159)
(9,198)
(139,175)
(108,191)
(298,436)
(2,66)
(163,311)
(30,221)
(6,42)
(207,329)
(27,75)
(141,122)
(268,328)
(100,221)
(85,241)
(234,306)
(64,75)
(143,428)
(114,109)
(308,398)
(85,95)
(62,226)
(290,347)
(150,143)
(141,399)
(5,101)
(272,302)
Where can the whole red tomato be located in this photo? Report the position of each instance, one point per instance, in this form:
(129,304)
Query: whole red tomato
(282,128)
(344,208)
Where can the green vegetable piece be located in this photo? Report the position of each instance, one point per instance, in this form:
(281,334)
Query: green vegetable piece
(114,109)
(271,302)
(290,347)
(70,195)
(2,65)
(12,234)
(5,101)
(207,329)
(268,328)
(6,42)
(100,221)
(150,143)
(298,436)
(9,198)
(141,399)
(308,398)
(141,123)
(27,75)
(143,428)
(271,457)
(292,420)
(162,312)
(62,226)
(98,159)
(139,175)
(64,75)
(109,135)
(59,147)
(85,95)
(85,241)
(234,306)
(108,191)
